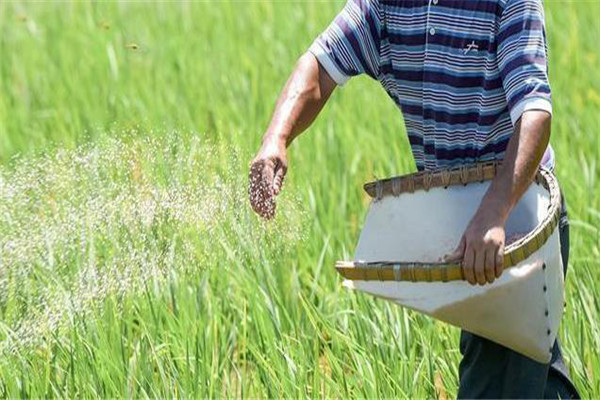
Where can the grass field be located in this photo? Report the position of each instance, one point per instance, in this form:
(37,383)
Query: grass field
(130,262)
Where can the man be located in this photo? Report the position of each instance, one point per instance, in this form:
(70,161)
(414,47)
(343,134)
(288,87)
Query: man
(470,77)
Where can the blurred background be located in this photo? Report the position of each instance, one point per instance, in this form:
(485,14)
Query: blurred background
(130,262)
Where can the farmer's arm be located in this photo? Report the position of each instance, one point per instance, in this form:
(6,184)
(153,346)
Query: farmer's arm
(484,239)
(522,66)
(523,156)
(348,47)
(303,96)
(301,100)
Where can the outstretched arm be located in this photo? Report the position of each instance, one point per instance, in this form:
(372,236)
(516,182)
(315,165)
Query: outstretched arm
(304,95)
(348,47)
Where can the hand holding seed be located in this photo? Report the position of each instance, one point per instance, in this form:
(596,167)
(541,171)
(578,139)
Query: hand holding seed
(267,172)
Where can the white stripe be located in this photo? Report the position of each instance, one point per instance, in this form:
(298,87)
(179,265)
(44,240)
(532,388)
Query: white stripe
(529,104)
(327,63)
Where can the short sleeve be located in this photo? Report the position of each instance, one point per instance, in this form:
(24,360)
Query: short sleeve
(522,57)
(350,45)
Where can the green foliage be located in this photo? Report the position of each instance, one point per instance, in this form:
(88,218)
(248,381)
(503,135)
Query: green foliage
(130,263)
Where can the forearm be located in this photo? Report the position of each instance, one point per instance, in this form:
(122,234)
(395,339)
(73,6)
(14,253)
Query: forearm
(301,100)
(303,96)
(523,156)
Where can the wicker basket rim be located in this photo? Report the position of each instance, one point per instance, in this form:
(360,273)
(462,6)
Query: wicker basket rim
(417,271)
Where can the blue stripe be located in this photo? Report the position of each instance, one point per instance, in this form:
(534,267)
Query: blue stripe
(442,78)
(453,118)
(356,51)
(448,6)
(518,27)
(485,7)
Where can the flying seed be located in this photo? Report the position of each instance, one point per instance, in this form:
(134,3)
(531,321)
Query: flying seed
(100,222)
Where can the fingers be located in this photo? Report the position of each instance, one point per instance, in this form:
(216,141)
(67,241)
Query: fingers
(480,266)
(261,190)
(483,264)
(490,265)
(278,180)
(469,265)
(499,261)
(484,251)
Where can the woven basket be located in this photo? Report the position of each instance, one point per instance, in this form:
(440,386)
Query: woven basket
(416,271)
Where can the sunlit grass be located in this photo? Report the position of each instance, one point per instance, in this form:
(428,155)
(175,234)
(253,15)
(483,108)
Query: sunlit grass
(131,264)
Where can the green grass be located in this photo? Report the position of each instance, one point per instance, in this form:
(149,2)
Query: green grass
(131,265)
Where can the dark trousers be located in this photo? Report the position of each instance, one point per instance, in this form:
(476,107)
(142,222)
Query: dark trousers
(489,370)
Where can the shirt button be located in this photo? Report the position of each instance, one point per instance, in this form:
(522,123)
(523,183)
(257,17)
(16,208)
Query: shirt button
(432,31)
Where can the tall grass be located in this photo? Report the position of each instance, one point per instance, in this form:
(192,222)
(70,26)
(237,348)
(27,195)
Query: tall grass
(131,265)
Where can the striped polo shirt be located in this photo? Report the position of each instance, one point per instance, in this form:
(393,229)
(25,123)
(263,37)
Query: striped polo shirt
(461,71)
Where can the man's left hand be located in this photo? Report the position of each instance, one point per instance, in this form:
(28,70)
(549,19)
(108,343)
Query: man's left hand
(481,247)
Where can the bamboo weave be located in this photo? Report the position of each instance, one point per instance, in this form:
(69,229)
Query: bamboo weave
(443,272)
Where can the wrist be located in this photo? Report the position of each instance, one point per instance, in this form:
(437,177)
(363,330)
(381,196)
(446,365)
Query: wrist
(274,139)
(495,209)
